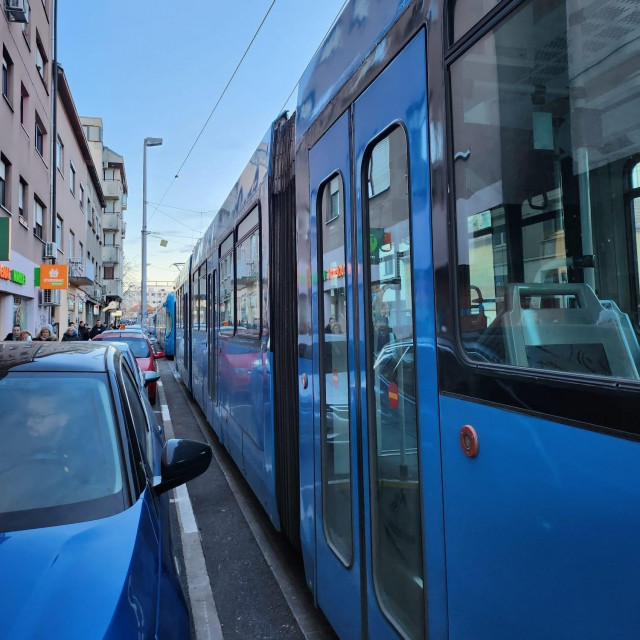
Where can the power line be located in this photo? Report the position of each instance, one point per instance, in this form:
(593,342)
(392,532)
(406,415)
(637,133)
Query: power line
(204,126)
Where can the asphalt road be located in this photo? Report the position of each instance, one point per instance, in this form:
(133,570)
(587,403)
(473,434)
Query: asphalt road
(243,579)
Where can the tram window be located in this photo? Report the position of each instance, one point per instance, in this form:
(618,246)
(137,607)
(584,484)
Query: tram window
(202,320)
(334,385)
(248,285)
(227,307)
(194,301)
(391,380)
(545,120)
(466,13)
(634,214)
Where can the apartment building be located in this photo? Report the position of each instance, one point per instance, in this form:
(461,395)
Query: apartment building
(114,185)
(25,160)
(79,203)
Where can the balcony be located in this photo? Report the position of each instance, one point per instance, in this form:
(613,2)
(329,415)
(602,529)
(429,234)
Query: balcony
(112,189)
(112,288)
(81,271)
(111,255)
(111,222)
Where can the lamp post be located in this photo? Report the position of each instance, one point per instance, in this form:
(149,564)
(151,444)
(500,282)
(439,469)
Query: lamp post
(148,142)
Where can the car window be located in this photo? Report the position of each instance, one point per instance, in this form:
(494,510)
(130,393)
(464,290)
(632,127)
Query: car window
(138,417)
(59,443)
(139,346)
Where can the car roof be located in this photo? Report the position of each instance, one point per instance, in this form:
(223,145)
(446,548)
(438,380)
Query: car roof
(55,356)
(112,333)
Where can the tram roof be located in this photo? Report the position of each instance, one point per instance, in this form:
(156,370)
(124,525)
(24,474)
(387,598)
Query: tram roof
(356,32)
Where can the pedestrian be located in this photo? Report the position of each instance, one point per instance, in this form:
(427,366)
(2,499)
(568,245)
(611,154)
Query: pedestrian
(97,329)
(53,333)
(14,334)
(69,335)
(25,336)
(83,330)
(45,335)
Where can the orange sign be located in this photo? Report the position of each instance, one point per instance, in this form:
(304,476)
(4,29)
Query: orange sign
(54,276)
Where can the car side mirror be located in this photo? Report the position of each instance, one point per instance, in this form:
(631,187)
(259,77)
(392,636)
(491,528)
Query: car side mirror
(150,376)
(182,460)
(159,354)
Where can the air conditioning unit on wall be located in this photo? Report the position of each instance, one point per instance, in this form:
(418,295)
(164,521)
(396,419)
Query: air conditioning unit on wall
(49,298)
(50,250)
(17,10)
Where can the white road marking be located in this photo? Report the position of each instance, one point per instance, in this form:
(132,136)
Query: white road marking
(203,607)
(185,511)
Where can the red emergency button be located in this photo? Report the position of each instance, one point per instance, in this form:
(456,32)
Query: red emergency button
(469,441)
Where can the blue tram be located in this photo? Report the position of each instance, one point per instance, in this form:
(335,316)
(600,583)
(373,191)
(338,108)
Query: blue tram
(165,325)
(414,322)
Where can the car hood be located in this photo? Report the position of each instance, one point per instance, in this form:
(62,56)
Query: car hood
(85,580)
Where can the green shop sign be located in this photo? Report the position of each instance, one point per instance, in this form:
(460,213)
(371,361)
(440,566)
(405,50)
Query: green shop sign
(11,274)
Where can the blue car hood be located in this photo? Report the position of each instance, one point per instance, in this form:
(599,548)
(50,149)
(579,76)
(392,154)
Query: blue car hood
(94,579)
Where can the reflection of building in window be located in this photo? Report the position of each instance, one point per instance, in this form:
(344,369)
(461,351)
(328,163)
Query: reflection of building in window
(379,169)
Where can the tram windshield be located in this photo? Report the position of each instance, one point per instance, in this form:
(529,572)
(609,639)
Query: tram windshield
(546,130)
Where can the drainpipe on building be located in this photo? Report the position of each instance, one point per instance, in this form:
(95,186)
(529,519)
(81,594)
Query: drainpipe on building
(54,132)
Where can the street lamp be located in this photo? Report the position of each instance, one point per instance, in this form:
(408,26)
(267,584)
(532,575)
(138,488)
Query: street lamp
(148,142)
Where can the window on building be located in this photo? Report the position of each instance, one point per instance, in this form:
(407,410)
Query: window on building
(40,135)
(38,217)
(72,178)
(7,75)
(4,182)
(110,207)
(72,242)
(22,199)
(41,59)
(109,239)
(109,174)
(80,251)
(92,133)
(59,155)
(24,102)
(109,272)
(81,196)
(59,236)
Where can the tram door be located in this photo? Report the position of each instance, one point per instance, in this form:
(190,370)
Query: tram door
(338,561)
(378,434)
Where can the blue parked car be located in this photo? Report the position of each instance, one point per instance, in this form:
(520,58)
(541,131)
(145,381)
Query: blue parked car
(84,511)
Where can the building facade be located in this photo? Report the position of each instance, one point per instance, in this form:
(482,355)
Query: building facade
(114,185)
(79,203)
(25,162)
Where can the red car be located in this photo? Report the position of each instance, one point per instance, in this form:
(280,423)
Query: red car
(142,350)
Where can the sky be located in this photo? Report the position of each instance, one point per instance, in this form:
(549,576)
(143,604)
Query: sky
(153,68)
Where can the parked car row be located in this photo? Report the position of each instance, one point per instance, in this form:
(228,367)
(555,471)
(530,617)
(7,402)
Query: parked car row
(84,510)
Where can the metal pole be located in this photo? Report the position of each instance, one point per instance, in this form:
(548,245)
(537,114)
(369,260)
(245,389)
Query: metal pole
(143,302)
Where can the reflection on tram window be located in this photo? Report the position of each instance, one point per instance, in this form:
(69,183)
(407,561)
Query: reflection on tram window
(247,285)
(392,411)
(545,130)
(336,440)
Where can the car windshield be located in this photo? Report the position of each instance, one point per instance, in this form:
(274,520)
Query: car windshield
(59,445)
(138,346)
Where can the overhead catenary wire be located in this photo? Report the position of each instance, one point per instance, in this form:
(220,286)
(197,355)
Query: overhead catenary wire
(204,126)
(215,106)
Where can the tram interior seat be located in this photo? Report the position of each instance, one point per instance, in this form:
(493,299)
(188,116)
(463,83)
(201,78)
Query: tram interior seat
(565,327)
